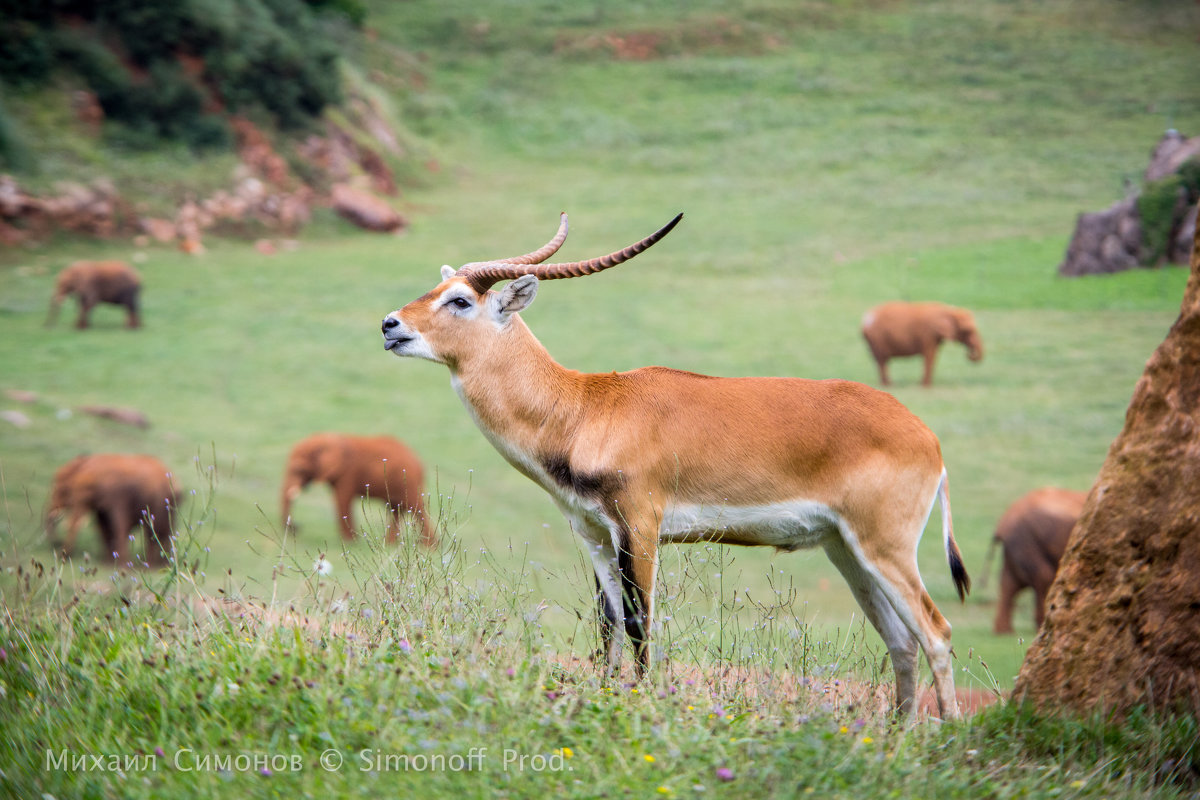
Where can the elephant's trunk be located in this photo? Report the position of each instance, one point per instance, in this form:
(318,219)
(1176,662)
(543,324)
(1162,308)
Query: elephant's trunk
(50,523)
(55,304)
(292,487)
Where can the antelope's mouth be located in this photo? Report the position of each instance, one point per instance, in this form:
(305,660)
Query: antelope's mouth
(393,343)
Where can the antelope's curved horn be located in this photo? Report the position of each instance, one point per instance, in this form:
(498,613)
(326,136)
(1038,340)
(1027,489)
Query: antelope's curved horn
(484,275)
(546,250)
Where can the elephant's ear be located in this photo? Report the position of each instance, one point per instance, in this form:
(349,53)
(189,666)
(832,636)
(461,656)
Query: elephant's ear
(946,325)
(330,461)
(964,320)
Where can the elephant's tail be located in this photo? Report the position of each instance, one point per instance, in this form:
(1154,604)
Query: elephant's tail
(987,561)
(962,581)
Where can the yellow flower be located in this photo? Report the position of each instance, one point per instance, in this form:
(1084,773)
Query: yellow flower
(843,729)
(663,790)
(649,759)
(867,740)
(566,752)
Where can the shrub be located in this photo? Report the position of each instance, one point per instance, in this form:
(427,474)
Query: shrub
(14,152)
(255,54)
(25,56)
(1157,207)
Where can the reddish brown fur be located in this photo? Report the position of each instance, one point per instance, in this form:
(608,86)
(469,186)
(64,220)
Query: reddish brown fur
(119,489)
(1033,533)
(95,282)
(378,467)
(900,329)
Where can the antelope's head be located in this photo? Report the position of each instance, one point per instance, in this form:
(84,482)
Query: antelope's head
(462,315)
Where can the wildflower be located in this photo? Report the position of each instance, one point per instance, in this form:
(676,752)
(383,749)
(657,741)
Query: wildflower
(566,752)
(867,740)
(649,759)
(158,751)
(322,565)
(843,729)
(404,646)
(266,773)
(725,773)
(663,790)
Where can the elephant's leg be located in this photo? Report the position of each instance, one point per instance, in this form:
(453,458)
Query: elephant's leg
(394,525)
(884,380)
(1009,586)
(428,536)
(157,527)
(929,353)
(343,497)
(85,308)
(77,515)
(1040,581)
(122,522)
(131,305)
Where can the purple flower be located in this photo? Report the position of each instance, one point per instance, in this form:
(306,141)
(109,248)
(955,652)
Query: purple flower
(266,773)
(158,751)
(725,773)
(404,645)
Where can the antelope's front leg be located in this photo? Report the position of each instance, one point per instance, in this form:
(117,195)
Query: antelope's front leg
(637,566)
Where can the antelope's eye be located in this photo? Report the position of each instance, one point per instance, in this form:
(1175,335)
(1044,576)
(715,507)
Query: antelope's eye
(461,303)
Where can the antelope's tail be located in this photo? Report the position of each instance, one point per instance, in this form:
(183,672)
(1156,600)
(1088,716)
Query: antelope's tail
(962,581)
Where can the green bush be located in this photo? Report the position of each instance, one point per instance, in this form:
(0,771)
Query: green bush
(271,55)
(1157,206)
(14,152)
(25,56)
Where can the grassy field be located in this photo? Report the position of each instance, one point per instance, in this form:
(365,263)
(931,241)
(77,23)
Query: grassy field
(826,157)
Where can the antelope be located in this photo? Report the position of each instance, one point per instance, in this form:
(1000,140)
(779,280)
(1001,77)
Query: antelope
(657,455)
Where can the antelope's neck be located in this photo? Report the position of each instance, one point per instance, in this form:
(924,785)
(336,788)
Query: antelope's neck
(520,397)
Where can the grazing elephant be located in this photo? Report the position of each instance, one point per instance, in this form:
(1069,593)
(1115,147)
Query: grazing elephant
(123,492)
(94,282)
(1033,533)
(912,329)
(359,466)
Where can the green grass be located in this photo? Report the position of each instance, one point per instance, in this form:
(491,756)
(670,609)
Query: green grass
(431,684)
(826,158)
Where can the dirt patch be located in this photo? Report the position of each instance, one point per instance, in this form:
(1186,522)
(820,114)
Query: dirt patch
(717,35)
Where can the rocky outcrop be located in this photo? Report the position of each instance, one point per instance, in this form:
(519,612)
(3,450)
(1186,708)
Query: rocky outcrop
(1122,625)
(1119,238)
(365,210)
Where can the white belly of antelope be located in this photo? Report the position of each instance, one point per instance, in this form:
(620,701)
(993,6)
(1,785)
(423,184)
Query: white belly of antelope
(790,525)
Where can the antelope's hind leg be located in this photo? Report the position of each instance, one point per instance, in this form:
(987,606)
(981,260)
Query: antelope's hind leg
(901,643)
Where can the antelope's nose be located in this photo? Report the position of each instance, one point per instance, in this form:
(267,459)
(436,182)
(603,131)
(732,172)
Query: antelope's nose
(389,323)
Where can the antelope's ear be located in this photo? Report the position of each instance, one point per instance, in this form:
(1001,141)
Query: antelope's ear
(515,297)
(448,272)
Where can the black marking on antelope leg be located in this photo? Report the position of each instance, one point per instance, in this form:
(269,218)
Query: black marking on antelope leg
(607,617)
(587,484)
(636,626)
